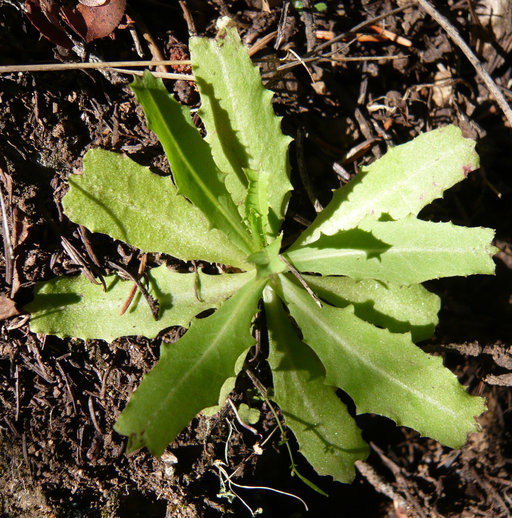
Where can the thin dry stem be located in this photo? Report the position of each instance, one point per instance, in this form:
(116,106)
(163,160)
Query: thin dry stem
(427,6)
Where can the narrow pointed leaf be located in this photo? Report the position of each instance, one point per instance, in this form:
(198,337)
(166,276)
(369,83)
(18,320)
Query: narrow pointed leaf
(407,251)
(327,435)
(406,179)
(192,165)
(241,126)
(72,306)
(397,308)
(190,373)
(118,197)
(256,204)
(385,373)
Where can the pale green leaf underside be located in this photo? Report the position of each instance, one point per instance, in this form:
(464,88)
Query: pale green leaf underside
(192,165)
(407,251)
(73,306)
(241,126)
(118,197)
(385,373)
(190,373)
(397,308)
(327,435)
(406,179)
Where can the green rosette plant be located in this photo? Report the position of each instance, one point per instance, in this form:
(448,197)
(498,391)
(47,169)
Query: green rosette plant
(347,321)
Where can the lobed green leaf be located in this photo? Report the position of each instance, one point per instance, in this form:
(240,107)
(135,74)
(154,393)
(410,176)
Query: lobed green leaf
(73,306)
(192,165)
(402,182)
(383,372)
(118,197)
(327,435)
(190,373)
(242,129)
(397,308)
(407,251)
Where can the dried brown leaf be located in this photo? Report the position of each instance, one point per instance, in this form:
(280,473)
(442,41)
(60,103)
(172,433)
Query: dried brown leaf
(93,22)
(7,308)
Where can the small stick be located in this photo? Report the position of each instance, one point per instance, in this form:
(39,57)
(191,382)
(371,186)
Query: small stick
(330,58)
(369,473)
(188,18)
(309,25)
(17,390)
(142,267)
(360,26)
(93,417)
(281,24)
(136,41)
(152,303)
(262,42)
(88,246)
(153,47)
(8,250)
(395,38)
(57,67)
(241,422)
(480,70)
(68,387)
(77,259)
(256,382)
(163,75)
(104,379)
(302,281)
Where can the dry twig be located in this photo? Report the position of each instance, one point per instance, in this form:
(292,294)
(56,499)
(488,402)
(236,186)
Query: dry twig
(427,6)
(114,65)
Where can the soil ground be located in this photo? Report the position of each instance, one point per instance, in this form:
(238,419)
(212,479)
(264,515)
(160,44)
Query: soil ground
(59,399)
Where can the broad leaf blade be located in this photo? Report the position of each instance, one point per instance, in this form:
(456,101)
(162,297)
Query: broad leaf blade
(397,308)
(72,306)
(407,251)
(406,179)
(118,197)
(190,373)
(192,165)
(385,373)
(241,126)
(327,435)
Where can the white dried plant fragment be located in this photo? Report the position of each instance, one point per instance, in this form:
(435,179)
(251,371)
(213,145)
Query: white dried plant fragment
(93,3)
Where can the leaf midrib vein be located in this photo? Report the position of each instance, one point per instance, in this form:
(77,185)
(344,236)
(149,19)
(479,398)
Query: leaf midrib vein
(225,329)
(316,254)
(346,346)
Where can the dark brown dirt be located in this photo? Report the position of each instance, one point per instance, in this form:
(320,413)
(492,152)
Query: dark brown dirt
(59,399)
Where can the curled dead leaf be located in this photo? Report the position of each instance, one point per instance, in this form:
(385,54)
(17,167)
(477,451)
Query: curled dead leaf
(42,15)
(92,23)
(89,19)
